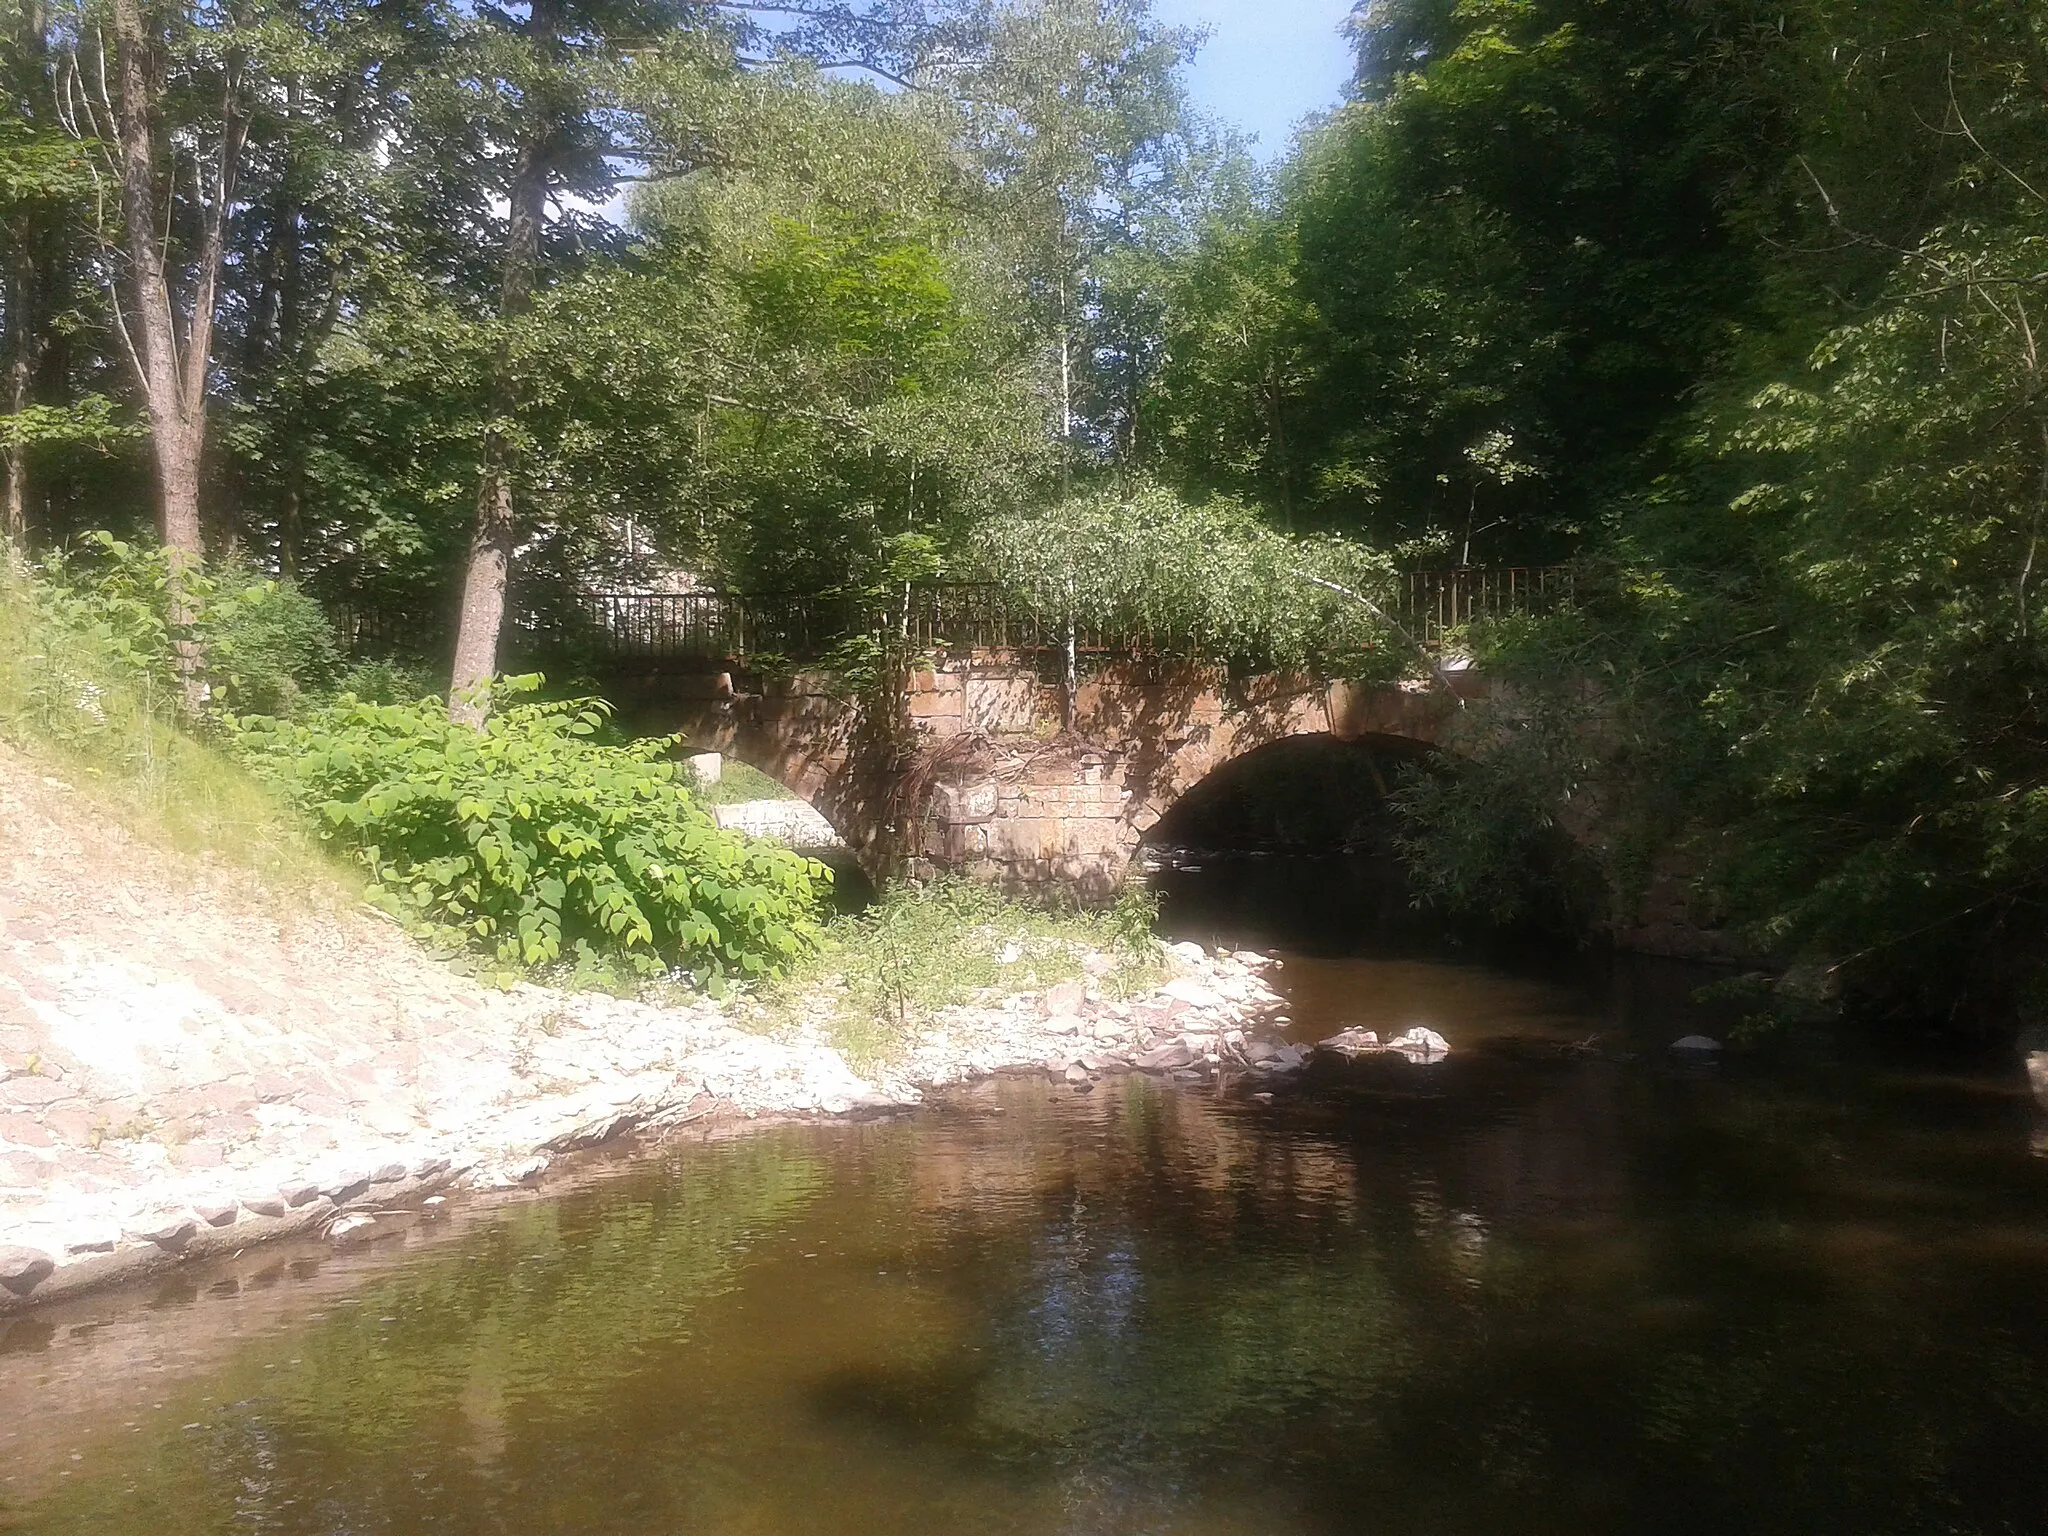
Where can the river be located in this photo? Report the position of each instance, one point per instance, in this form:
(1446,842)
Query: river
(1532,1288)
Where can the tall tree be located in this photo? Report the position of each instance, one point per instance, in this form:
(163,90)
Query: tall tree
(1075,110)
(172,243)
(45,210)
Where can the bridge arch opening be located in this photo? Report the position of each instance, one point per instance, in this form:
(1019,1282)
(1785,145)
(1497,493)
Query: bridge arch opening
(1294,844)
(1313,793)
(751,798)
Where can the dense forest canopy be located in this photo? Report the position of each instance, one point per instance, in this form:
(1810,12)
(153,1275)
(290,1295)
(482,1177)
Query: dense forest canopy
(1732,304)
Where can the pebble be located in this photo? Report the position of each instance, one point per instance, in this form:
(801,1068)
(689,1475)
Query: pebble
(167,1229)
(23,1269)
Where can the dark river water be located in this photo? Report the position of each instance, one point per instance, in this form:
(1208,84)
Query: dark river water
(1528,1289)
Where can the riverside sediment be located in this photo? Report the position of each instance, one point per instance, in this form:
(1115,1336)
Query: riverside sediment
(188,1067)
(495,1104)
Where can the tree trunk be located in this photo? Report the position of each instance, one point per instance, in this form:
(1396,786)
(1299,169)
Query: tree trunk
(490,546)
(170,368)
(27,299)
(14,503)
(20,365)
(176,425)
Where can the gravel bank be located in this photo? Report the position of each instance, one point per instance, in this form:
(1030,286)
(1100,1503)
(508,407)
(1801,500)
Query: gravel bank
(185,1070)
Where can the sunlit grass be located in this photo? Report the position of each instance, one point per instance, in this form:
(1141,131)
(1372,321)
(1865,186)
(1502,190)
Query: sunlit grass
(883,973)
(84,717)
(738,783)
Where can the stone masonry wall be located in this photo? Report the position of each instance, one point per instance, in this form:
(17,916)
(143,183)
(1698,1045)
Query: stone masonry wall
(982,778)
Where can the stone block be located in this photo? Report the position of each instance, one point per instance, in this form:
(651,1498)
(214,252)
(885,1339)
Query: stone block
(962,843)
(1065,998)
(23,1170)
(957,803)
(75,1124)
(167,1229)
(1015,838)
(1000,703)
(31,1092)
(25,1131)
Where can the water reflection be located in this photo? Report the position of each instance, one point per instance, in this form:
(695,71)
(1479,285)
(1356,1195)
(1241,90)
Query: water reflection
(1522,1291)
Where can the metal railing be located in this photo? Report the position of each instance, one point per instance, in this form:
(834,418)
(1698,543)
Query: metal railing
(1435,603)
(659,627)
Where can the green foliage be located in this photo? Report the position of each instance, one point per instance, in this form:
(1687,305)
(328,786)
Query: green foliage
(1483,835)
(1521,230)
(1212,577)
(536,841)
(833,358)
(382,680)
(883,973)
(739,783)
(1742,305)
(90,704)
(90,420)
(262,644)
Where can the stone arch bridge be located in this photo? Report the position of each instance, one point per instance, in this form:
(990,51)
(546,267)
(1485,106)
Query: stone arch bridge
(974,763)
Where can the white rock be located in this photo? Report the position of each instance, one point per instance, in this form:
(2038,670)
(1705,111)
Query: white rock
(1188,953)
(1701,1043)
(1186,990)
(1420,1044)
(791,821)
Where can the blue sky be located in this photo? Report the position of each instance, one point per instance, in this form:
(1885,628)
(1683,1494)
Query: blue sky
(1267,64)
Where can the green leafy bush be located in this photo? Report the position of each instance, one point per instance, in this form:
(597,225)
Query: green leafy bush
(263,644)
(538,842)
(385,680)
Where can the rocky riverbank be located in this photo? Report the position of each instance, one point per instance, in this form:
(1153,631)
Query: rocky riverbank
(186,1068)
(104,1181)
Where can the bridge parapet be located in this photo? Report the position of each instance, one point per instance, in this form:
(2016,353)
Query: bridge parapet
(962,617)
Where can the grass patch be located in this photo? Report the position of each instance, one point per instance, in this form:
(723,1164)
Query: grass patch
(881,975)
(738,783)
(80,712)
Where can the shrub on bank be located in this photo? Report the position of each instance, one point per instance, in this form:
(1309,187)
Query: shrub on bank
(536,840)
(264,645)
(880,975)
